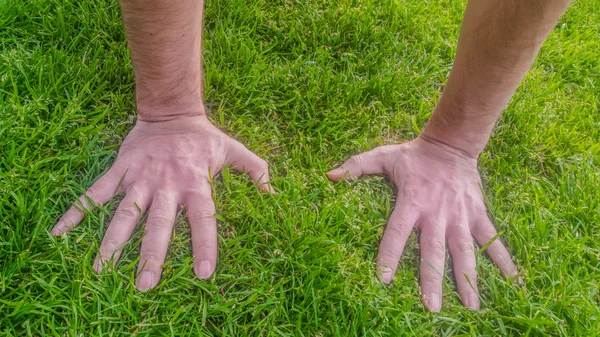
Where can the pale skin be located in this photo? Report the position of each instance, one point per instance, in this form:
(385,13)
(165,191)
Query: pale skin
(169,157)
(439,188)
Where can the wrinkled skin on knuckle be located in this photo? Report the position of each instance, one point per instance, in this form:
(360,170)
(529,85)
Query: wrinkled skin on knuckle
(465,246)
(355,160)
(263,165)
(386,258)
(435,246)
(398,230)
(202,212)
(204,244)
(159,219)
(432,281)
(92,193)
(127,212)
(108,248)
(149,256)
(259,166)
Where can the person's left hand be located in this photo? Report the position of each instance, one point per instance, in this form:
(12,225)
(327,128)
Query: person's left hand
(439,193)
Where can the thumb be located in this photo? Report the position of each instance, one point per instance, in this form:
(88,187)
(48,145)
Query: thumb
(243,160)
(356,166)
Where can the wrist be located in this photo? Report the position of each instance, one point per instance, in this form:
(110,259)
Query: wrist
(179,125)
(455,141)
(447,153)
(459,128)
(148,111)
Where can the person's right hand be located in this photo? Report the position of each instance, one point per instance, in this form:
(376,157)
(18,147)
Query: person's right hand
(160,166)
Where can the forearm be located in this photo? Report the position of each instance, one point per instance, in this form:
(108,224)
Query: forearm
(498,43)
(165,39)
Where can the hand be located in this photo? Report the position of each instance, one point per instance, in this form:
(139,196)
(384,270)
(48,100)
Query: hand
(160,166)
(438,193)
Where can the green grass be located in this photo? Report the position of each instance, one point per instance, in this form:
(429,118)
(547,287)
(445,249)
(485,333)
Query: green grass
(304,84)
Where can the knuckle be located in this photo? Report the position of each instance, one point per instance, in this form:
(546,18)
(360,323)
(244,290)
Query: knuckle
(150,255)
(92,191)
(470,277)
(486,231)
(204,244)
(159,219)
(166,192)
(134,187)
(355,160)
(433,281)
(386,257)
(203,213)
(262,165)
(127,212)
(75,210)
(202,184)
(435,246)
(465,246)
(112,243)
(399,230)
(201,191)
(108,248)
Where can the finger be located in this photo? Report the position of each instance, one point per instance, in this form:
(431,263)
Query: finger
(99,193)
(396,234)
(156,239)
(200,210)
(433,257)
(243,160)
(460,243)
(484,231)
(126,217)
(361,164)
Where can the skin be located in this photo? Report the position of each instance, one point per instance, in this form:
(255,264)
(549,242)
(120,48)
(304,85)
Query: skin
(159,167)
(169,156)
(439,188)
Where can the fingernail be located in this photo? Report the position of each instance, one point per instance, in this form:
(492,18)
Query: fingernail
(473,301)
(145,280)
(334,172)
(267,188)
(57,230)
(385,275)
(97,265)
(203,269)
(433,302)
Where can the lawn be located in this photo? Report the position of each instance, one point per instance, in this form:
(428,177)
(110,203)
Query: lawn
(304,84)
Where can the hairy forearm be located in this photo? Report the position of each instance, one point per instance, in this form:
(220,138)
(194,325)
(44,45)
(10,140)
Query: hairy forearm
(165,39)
(498,43)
